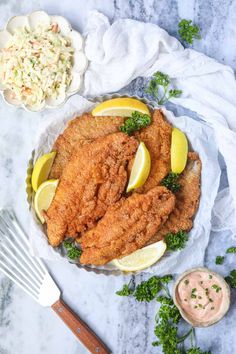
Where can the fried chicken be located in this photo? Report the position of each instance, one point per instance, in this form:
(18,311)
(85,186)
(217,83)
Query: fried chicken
(157,138)
(80,131)
(187,200)
(93,179)
(127,226)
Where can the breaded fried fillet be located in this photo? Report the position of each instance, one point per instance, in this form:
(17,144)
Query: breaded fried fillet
(187,200)
(127,226)
(80,131)
(93,179)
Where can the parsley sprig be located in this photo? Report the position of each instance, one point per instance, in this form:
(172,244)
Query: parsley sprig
(176,241)
(137,121)
(231,250)
(72,251)
(219,260)
(188,32)
(146,290)
(171,182)
(168,317)
(158,88)
(231,278)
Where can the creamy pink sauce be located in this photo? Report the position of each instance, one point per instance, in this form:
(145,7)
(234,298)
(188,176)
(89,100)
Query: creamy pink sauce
(201,295)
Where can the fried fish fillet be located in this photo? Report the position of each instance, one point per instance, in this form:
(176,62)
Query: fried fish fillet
(93,179)
(187,200)
(127,226)
(157,138)
(80,131)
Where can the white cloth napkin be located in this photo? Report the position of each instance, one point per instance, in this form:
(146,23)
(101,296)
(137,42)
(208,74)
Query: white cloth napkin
(121,52)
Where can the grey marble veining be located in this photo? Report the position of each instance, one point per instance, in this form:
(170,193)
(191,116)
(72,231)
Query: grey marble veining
(126,326)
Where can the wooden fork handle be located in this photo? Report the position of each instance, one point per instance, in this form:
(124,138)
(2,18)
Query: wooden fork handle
(80,329)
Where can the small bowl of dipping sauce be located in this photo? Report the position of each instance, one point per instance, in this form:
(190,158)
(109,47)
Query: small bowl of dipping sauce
(202,297)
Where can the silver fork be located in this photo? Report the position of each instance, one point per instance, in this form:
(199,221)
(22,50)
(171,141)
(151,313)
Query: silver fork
(32,276)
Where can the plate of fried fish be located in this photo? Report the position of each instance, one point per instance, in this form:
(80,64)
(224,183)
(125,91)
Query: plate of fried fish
(120,185)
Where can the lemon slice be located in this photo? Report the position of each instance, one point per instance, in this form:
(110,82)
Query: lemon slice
(141,168)
(179,151)
(42,169)
(141,259)
(44,197)
(122,107)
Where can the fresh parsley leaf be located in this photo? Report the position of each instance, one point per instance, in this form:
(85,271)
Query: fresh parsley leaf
(137,121)
(188,32)
(171,182)
(166,334)
(231,278)
(72,251)
(169,312)
(161,80)
(231,250)
(176,241)
(125,291)
(166,278)
(196,351)
(148,290)
(219,260)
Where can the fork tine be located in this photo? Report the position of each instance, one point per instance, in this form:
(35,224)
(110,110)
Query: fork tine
(16,279)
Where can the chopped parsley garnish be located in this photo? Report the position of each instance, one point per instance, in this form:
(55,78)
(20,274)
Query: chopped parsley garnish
(193,295)
(216,287)
(231,278)
(72,251)
(161,80)
(136,122)
(176,241)
(171,182)
(231,250)
(196,350)
(186,282)
(188,32)
(210,276)
(219,260)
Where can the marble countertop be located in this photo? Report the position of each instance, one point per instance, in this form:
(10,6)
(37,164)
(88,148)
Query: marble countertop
(126,326)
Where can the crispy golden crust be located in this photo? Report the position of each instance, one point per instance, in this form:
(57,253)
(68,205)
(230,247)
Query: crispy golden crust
(80,131)
(187,200)
(127,226)
(157,138)
(93,179)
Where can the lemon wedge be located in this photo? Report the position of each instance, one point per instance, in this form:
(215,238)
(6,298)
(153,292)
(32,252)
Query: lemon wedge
(122,107)
(141,259)
(179,151)
(44,197)
(42,169)
(141,168)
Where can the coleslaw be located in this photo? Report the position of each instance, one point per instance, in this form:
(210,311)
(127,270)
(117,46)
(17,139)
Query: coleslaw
(36,64)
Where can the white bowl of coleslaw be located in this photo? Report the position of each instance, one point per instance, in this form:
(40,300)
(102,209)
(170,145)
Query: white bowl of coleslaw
(42,61)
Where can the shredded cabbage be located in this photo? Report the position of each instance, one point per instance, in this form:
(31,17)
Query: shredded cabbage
(36,64)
